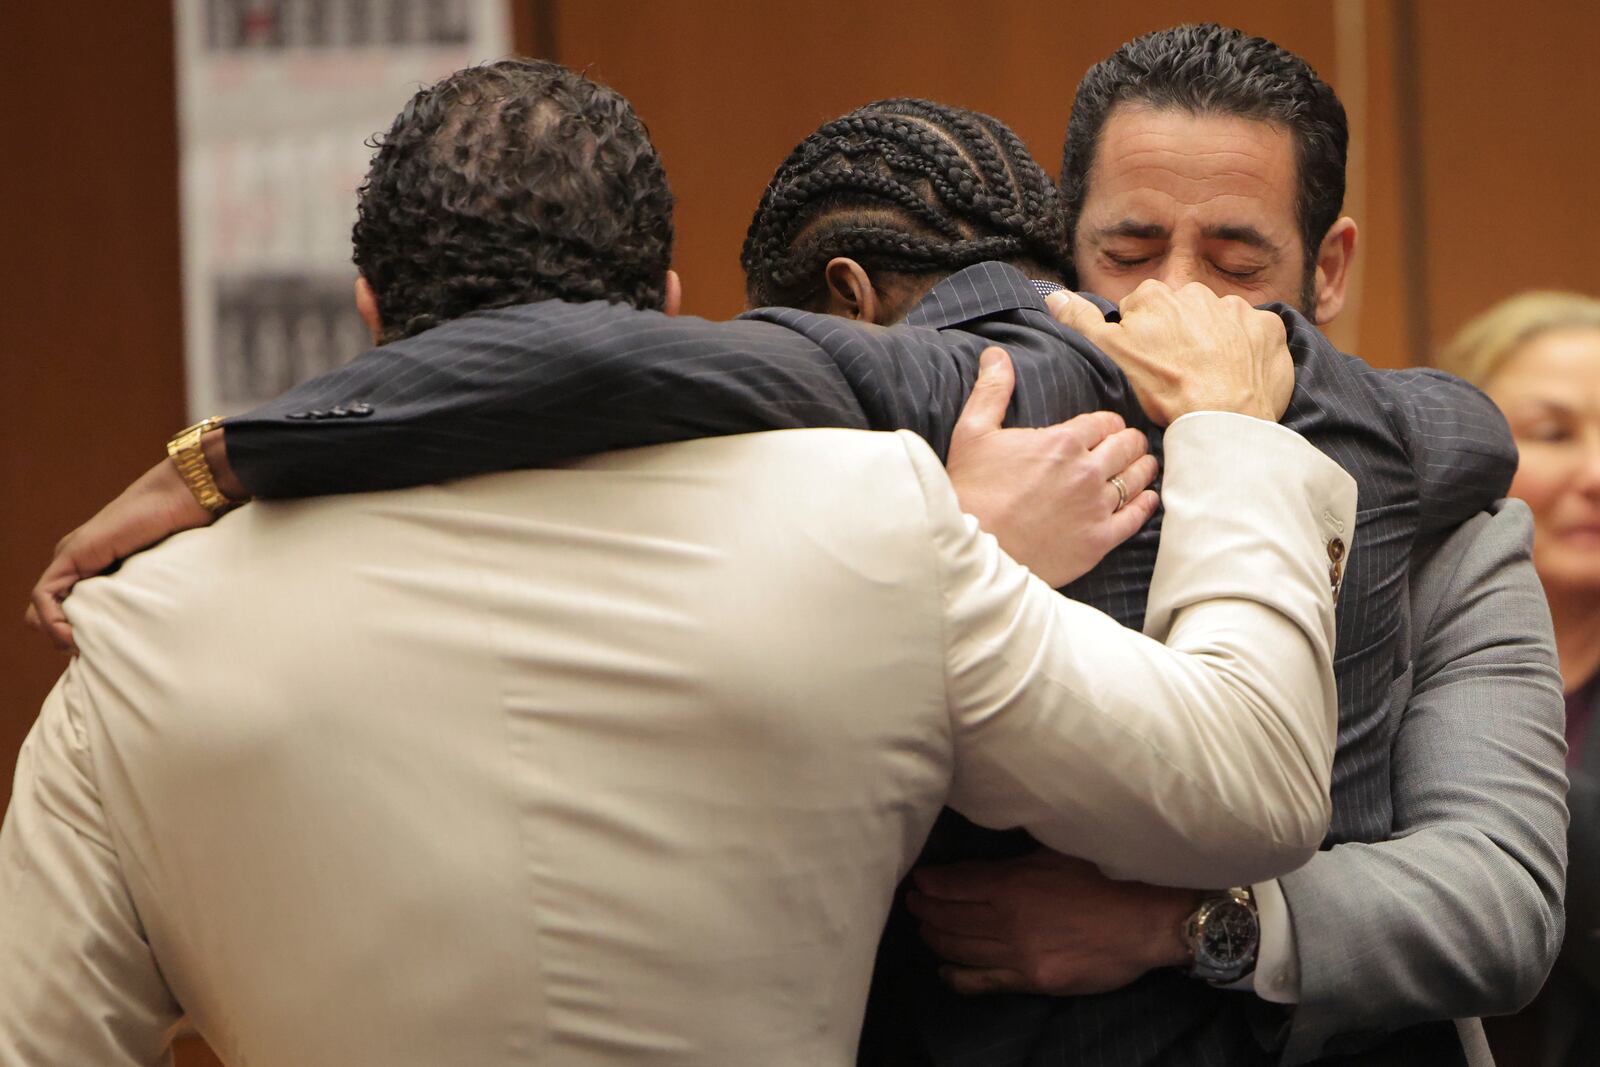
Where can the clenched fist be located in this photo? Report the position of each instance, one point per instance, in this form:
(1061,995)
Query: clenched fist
(1188,349)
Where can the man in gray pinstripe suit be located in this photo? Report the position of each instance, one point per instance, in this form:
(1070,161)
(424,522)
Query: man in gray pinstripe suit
(1367,937)
(1423,875)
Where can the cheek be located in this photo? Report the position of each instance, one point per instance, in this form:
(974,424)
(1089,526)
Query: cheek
(1288,284)
(1280,282)
(1091,279)
(1536,483)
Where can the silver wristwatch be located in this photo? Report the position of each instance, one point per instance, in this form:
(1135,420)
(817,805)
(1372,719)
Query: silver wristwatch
(1223,935)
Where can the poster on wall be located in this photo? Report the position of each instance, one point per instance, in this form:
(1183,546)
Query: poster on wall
(278,102)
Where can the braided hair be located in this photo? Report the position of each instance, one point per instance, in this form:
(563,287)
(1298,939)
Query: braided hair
(902,186)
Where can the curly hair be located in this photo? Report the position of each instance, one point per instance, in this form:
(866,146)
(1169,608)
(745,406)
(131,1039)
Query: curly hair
(1210,69)
(902,186)
(509,183)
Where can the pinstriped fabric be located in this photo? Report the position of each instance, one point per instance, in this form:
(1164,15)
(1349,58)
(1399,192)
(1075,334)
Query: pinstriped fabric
(531,385)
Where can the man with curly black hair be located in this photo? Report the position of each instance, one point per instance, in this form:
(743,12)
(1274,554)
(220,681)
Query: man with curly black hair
(505,184)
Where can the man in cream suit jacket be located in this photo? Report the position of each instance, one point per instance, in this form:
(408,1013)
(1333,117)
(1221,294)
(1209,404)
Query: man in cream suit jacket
(527,769)
(620,763)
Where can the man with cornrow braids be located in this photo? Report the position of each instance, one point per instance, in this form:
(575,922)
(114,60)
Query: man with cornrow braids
(1428,451)
(961,187)
(1166,1010)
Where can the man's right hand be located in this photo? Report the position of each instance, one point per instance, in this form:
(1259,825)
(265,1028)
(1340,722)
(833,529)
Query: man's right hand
(1048,495)
(1188,349)
(156,505)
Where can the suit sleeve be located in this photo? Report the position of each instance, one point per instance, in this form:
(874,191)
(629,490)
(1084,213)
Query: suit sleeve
(1203,761)
(1461,447)
(1460,913)
(530,385)
(79,984)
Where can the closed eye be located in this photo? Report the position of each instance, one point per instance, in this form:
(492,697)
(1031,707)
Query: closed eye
(1546,434)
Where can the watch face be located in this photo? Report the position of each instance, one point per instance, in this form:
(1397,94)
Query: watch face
(1229,935)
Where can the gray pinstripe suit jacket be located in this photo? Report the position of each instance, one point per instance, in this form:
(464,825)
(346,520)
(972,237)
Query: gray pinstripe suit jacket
(533,384)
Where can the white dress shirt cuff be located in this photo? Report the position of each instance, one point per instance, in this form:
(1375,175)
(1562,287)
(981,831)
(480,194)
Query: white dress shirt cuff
(1277,974)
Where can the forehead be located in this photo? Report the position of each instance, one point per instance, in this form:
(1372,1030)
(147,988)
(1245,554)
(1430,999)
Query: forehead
(1163,164)
(1562,362)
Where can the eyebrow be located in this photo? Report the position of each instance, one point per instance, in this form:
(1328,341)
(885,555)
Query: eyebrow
(1245,235)
(1151,231)
(1144,231)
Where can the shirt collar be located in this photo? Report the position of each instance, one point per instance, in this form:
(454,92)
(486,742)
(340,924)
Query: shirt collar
(975,292)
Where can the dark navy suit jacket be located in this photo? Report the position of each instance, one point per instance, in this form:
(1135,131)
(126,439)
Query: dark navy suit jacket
(543,382)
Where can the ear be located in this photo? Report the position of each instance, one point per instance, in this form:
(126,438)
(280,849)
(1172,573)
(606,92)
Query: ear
(367,307)
(1334,257)
(673,299)
(849,290)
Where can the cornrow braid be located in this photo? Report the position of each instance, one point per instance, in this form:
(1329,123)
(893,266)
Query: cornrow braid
(905,186)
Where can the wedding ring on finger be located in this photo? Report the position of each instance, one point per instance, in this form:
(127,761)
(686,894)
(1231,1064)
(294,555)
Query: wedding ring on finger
(1122,490)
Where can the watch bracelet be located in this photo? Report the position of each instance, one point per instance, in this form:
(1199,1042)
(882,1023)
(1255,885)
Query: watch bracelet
(1193,928)
(189,457)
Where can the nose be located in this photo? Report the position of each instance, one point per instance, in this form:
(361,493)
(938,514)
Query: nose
(1178,270)
(1586,476)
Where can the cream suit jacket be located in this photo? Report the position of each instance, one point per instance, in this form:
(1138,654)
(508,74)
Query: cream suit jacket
(621,763)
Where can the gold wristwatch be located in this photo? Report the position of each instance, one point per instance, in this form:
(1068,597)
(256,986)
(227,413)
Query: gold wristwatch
(186,453)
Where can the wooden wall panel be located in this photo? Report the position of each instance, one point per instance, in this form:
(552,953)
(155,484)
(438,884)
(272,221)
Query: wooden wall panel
(1510,130)
(1376,318)
(1506,148)
(91,344)
(91,340)
(729,87)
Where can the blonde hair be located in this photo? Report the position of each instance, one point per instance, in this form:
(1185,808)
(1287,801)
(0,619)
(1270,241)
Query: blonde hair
(1479,350)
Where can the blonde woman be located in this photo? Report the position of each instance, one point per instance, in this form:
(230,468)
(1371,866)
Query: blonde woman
(1538,357)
